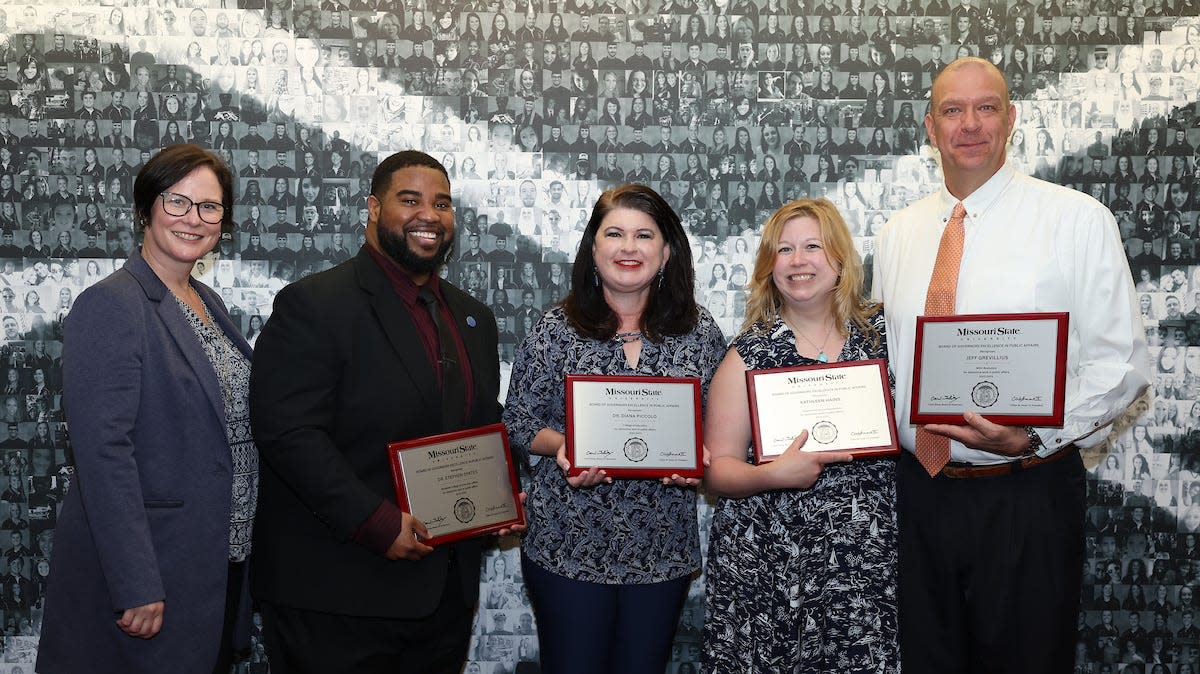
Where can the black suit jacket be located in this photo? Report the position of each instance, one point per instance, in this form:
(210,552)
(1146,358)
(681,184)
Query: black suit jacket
(339,372)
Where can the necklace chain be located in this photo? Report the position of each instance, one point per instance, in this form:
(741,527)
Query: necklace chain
(821,355)
(627,337)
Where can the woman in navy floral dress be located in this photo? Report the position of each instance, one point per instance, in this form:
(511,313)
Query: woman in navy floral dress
(608,562)
(802,553)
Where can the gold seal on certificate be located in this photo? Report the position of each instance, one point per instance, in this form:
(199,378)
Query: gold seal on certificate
(845,407)
(1011,368)
(459,484)
(634,426)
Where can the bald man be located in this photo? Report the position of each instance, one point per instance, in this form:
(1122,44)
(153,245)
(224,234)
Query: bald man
(991,543)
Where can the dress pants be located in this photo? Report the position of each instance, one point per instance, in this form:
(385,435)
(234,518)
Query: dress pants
(600,628)
(300,641)
(991,569)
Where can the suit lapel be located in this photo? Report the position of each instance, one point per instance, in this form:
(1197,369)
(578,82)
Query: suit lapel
(224,322)
(189,344)
(180,330)
(398,327)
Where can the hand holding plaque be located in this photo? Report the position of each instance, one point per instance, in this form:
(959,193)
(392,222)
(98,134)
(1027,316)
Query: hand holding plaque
(645,427)
(1009,368)
(460,484)
(845,407)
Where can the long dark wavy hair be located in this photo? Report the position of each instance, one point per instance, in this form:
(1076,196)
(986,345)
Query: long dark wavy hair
(671,308)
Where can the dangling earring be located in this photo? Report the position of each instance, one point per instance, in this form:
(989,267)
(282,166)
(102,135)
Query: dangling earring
(661,274)
(595,276)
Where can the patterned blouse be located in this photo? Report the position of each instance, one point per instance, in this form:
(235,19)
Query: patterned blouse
(803,581)
(233,373)
(630,531)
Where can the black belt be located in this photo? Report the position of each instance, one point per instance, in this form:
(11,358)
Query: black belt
(969,470)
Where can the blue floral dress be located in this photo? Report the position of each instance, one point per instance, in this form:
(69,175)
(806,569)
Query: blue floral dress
(804,580)
(630,531)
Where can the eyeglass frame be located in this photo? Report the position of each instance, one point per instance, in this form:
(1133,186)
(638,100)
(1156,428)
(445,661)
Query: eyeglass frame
(200,212)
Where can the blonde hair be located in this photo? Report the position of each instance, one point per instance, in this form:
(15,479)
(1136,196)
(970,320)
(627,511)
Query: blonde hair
(848,302)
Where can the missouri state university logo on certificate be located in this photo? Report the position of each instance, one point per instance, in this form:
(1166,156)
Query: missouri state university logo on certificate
(459,484)
(1011,368)
(845,407)
(634,426)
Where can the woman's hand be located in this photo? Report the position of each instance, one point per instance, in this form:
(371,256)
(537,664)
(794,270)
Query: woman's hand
(796,469)
(516,529)
(689,481)
(143,621)
(590,478)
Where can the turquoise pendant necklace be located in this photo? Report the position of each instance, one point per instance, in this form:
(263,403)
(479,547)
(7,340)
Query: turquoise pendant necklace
(821,357)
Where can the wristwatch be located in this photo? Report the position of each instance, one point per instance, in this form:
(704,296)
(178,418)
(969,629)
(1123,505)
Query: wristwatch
(1035,442)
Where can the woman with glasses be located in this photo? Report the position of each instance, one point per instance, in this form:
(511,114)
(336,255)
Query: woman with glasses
(151,544)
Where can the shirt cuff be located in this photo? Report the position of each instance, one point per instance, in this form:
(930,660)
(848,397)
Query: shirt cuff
(380,530)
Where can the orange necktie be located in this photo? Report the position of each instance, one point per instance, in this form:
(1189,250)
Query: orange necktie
(933,451)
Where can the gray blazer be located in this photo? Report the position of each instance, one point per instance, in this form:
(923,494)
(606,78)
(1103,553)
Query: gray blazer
(148,515)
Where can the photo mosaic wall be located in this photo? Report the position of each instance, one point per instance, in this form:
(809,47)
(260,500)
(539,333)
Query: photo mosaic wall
(729,108)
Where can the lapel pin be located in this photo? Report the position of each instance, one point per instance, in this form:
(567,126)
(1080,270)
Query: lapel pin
(471,321)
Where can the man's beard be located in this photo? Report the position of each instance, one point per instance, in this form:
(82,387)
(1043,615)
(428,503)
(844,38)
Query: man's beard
(395,245)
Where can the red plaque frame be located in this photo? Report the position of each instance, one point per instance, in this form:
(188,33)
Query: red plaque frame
(396,448)
(694,382)
(880,450)
(1054,419)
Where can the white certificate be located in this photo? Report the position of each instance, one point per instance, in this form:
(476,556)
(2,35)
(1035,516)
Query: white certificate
(634,426)
(1011,368)
(845,407)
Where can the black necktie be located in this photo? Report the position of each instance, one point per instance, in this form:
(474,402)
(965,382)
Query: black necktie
(453,391)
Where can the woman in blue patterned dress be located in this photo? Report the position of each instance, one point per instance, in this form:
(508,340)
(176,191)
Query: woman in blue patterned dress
(608,562)
(802,554)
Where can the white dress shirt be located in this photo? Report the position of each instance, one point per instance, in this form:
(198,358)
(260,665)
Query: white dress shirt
(1030,246)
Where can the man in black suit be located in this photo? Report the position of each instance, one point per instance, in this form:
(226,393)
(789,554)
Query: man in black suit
(282,167)
(91,249)
(389,58)
(117,111)
(6,83)
(252,140)
(664,144)
(252,169)
(343,578)
(117,137)
(88,109)
(611,61)
(59,52)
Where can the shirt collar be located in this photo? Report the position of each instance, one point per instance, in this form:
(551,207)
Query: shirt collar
(401,282)
(983,198)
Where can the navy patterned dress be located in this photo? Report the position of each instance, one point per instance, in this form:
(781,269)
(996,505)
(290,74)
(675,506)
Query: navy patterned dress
(804,581)
(630,531)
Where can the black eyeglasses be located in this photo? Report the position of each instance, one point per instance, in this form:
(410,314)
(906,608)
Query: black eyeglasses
(179,205)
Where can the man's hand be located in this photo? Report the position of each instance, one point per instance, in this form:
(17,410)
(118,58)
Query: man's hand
(143,621)
(981,434)
(408,544)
